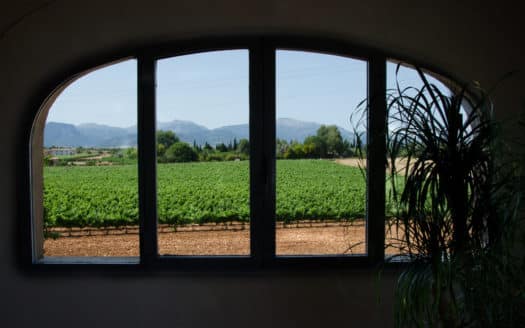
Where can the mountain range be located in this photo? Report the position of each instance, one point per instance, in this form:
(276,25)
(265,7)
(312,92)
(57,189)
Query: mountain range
(98,135)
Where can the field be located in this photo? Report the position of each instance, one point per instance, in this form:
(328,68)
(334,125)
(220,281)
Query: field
(200,192)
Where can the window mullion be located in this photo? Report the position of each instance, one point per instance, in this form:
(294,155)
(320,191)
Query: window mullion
(147,159)
(376,148)
(269,135)
(262,151)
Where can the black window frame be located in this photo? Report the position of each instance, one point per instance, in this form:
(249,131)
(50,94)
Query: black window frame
(262,79)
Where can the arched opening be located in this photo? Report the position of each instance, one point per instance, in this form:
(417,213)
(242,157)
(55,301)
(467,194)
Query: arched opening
(279,85)
(83,128)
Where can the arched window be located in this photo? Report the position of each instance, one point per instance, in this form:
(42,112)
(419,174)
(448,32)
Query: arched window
(242,154)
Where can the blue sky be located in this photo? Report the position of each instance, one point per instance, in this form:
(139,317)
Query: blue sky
(211,89)
(319,88)
(106,96)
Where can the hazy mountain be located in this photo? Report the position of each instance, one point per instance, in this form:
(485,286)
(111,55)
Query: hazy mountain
(182,127)
(87,135)
(291,129)
(100,131)
(107,136)
(226,134)
(62,134)
(186,130)
(98,135)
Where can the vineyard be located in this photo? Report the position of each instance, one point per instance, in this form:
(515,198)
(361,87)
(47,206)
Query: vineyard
(200,192)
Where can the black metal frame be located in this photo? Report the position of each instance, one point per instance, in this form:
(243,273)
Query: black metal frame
(262,162)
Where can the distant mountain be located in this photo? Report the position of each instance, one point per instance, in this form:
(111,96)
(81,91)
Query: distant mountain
(292,129)
(87,135)
(186,130)
(62,134)
(107,136)
(98,135)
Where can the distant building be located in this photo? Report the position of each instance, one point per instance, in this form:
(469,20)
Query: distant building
(62,151)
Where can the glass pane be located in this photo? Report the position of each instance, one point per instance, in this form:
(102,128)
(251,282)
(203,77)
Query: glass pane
(203,154)
(401,81)
(321,187)
(90,193)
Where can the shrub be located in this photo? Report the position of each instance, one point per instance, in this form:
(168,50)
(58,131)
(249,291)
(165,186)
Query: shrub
(180,152)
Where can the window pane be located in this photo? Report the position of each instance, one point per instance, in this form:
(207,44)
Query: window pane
(402,81)
(90,194)
(203,148)
(321,189)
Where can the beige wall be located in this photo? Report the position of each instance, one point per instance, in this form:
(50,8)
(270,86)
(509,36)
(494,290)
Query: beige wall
(468,40)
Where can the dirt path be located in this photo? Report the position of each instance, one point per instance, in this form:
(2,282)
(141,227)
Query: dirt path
(104,154)
(290,241)
(401,163)
(355,162)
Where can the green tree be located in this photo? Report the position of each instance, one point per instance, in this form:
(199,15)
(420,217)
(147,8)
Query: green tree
(314,147)
(310,150)
(244,146)
(180,152)
(281,147)
(161,149)
(347,149)
(195,146)
(131,153)
(166,138)
(331,141)
(221,147)
(296,150)
(207,146)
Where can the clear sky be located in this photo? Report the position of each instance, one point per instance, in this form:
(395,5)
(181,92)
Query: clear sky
(211,89)
(106,96)
(319,88)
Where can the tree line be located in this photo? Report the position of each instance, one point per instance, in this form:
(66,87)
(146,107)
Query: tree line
(170,149)
(326,143)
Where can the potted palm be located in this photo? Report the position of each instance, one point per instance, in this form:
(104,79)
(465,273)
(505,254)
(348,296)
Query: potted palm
(454,209)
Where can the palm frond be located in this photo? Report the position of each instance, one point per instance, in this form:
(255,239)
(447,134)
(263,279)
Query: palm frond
(449,205)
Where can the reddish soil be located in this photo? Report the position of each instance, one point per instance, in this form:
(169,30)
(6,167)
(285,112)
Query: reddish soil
(401,163)
(290,241)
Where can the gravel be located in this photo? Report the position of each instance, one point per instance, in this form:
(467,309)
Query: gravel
(289,241)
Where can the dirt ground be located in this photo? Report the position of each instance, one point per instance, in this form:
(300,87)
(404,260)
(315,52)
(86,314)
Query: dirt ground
(289,241)
(401,163)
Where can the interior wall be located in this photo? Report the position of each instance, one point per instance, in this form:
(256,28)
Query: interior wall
(39,40)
